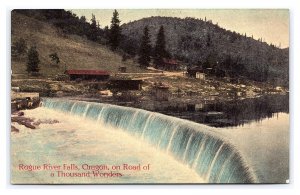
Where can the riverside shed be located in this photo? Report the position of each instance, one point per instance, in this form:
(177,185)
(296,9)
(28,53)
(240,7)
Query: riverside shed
(88,74)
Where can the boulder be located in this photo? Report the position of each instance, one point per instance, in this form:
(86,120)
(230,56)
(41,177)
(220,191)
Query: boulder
(20,113)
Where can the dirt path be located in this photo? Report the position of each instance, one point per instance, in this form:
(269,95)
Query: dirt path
(158,73)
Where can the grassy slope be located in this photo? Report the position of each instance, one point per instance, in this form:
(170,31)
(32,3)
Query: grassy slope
(75,52)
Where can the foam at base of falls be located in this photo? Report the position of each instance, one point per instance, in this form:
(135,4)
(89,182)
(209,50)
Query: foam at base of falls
(192,144)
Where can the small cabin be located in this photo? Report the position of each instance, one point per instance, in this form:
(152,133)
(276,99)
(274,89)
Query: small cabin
(161,92)
(196,72)
(200,75)
(169,65)
(88,74)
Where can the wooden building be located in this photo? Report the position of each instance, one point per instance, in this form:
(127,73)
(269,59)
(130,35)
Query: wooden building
(169,65)
(88,74)
(196,72)
(123,84)
(200,75)
(161,92)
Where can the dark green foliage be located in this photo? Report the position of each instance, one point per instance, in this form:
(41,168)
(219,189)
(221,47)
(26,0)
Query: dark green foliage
(67,21)
(186,42)
(129,46)
(93,34)
(231,67)
(125,57)
(33,60)
(192,40)
(106,32)
(160,51)
(208,41)
(54,58)
(19,47)
(219,71)
(83,26)
(145,49)
(234,37)
(115,31)
(260,73)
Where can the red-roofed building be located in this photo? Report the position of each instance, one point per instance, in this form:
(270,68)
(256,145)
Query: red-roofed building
(170,64)
(88,74)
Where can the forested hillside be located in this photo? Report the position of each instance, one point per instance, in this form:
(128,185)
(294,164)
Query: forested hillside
(200,42)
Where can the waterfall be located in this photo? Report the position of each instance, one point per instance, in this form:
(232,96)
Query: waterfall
(198,146)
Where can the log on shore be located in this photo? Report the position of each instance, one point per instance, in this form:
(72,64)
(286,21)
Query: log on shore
(23,121)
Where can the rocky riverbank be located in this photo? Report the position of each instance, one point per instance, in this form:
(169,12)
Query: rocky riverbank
(179,91)
(30,123)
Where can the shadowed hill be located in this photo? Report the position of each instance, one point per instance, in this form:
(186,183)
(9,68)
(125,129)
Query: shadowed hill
(196,41)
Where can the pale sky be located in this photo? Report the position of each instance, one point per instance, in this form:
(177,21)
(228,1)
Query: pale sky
(270,24)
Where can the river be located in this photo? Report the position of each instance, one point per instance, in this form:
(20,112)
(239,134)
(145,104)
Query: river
(257,147)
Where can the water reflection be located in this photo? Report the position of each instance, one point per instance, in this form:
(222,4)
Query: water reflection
(226,114)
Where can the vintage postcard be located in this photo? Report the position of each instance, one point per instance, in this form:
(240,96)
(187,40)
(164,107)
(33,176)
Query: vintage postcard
(149,96)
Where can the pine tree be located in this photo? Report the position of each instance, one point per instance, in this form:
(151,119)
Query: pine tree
(82,19)
(82,26)
(19,47)
(93,29)
(145,49)
(33,60)
(208,41)
(115,31)
(160,51)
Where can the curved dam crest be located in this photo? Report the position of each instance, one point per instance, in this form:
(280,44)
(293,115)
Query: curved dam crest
(212,157)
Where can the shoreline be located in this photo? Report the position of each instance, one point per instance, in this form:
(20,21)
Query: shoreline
(168,94)
(200,113)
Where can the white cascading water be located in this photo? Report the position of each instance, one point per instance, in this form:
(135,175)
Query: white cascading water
(195,145)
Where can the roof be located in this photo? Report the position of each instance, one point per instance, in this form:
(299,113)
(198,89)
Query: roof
(170,61)
(195,68)
(87,72)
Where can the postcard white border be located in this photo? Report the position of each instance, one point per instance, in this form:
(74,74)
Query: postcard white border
(292,188)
